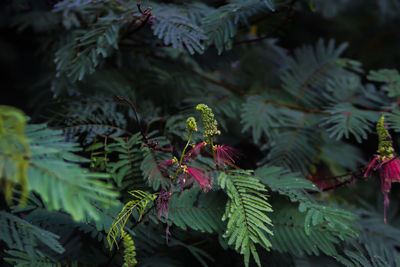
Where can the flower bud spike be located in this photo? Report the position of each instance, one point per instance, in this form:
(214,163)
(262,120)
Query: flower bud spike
(191,125)
(385,147)
(210,124)
(385,162)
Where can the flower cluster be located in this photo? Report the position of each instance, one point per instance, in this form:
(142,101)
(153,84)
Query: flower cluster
(184,173)
(210,124)
(385,162)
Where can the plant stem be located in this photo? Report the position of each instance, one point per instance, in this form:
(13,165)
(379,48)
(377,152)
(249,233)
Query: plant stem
(213,151)
(183,154)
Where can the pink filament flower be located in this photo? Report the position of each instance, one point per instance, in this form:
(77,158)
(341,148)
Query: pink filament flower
(389,172)
(200,177)
(225,154)
(194,152)
(163,202)
(165,164)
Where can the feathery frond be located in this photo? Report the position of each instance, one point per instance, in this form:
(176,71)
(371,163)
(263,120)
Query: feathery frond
(139,203)
(248,224)
(21,235)
(205,216)
(55,173)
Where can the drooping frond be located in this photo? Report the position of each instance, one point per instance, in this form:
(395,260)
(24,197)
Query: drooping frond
(21,235)
(248,224)
(55,173)
(139,203)
(204,216)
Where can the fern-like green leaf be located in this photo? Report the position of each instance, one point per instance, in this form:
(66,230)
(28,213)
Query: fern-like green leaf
(390,77)
(204,216)
(347,119)
(263,117)
(393,120)
(245,211)
(126,170)
(139,203)
(339,221)
(310,69)
(20,258)
(176,28)
(290,236)
(57,176)
(295,149)
(22,235)
(221,25)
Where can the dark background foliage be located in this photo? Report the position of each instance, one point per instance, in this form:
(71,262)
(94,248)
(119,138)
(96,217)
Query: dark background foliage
(167,71)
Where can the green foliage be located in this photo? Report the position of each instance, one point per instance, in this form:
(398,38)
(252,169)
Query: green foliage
(263,117)
(390,77)
(248,224)
(205,216)
(85,49)
(90,119)
(129,253)
(310,69)
(221,25)
(393,120)
(56,175)
(22,235)
(14,151)
(89,170)
(346,120)
(126,170)
(139,203)
(316,226)
(175,27)
(22,258)
(290,236)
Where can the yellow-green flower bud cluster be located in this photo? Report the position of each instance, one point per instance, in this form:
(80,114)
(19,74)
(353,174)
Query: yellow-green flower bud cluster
(210,125)
(191,125)
(129,253)
(385,147)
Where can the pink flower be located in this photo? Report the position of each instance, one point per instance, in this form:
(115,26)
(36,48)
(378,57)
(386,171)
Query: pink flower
(166,164)
(200,177)
(389,172)
(194,152)
(371,165)
(163,202)
(225,154)
(164,167)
